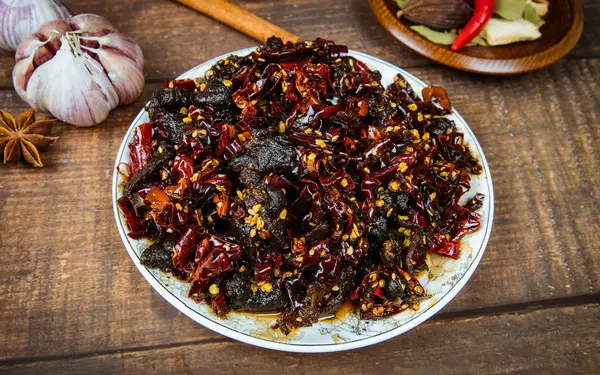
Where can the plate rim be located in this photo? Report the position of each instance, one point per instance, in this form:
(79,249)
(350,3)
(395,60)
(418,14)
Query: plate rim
(456,60)
(301,348)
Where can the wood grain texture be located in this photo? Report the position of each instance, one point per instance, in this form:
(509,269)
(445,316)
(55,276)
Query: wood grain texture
(71,301)
(243,21)
(69,287)
(560,341)
(560,34)
(175,38)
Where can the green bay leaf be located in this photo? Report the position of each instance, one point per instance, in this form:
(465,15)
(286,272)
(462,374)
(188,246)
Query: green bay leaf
(401,3)
(439,37)
(510,9)
(531,15)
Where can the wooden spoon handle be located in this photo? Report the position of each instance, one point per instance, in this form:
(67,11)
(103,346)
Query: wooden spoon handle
(240,19)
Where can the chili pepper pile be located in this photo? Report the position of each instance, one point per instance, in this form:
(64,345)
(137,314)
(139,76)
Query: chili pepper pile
(291,180)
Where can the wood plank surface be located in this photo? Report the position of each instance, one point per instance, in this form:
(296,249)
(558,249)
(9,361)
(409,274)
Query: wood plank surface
(560,341)
(71,301)
(187,38)
(69,286)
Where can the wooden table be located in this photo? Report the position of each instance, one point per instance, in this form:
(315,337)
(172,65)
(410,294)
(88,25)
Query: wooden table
(71,300)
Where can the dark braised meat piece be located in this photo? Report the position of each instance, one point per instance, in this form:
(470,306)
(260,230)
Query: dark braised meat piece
(440,125)
(218,96)
(274,42)
(269,155)
(396,288)
(173,126)
(159,255)
(168,100)
(260,226)
(242,297)
(148,171)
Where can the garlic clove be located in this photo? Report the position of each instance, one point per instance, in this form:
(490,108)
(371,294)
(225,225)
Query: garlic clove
(92,24)
(124,73)
(124,45)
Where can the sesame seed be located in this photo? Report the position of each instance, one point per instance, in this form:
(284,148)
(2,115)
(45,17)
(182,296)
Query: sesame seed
(254,288)
(335,288)
(350,250)
(283,214)
(227,83)
(389,213)
(282,127)
(320,143)
(345,237)
(413,107)
(266,287)
(239,194)
(335,138)
(403,167)
(379,203)
(252,233)
(242,268)
(213,290)
(344,182)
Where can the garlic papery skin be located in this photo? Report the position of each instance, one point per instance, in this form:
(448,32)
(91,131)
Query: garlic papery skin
(78,69)
(19,18)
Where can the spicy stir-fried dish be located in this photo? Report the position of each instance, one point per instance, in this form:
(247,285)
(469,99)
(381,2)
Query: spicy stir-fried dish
(290,180)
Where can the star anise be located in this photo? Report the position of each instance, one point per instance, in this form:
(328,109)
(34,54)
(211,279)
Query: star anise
(24,138)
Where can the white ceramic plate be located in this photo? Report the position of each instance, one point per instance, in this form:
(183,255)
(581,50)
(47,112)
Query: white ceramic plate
(443,281)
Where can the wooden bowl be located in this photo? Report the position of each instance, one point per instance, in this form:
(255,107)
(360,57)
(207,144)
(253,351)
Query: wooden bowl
(560,33)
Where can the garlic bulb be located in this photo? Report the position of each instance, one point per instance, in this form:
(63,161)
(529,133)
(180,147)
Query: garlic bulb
(22,17)
(78,69)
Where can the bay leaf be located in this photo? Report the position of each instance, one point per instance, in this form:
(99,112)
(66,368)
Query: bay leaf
(445,37)
(439,37)
(401,3)
(510,9)
(531,15)
(478,41)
